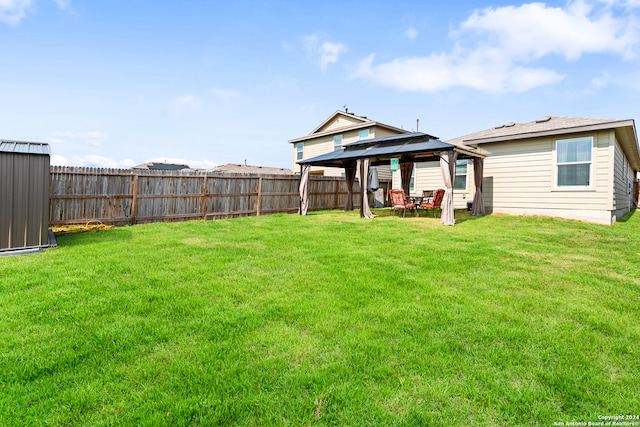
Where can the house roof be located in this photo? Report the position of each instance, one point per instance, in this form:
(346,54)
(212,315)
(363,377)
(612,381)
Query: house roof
(231,167)
(159,166)
(557,125)
(411,147)
(356,122)
(24,147)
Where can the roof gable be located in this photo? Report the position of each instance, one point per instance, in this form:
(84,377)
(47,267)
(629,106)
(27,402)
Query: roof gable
(339,120)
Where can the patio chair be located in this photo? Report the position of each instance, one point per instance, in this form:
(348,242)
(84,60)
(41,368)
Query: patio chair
(399,201)
(436,203)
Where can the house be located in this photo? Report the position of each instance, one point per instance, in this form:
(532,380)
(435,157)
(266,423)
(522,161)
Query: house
(235,168)
(159,166)
(340,129)
(567,167)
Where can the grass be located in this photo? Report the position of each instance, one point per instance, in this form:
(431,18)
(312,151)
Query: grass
(327,319)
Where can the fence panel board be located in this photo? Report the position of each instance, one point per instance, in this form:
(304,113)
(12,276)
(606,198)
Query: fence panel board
(126,196)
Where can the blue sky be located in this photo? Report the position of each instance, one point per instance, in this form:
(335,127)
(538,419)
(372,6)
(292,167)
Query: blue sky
(116,83)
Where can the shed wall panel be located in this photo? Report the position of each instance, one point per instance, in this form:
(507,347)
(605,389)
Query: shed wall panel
(24,200)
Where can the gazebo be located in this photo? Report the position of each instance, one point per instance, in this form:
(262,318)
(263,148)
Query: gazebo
(407,149)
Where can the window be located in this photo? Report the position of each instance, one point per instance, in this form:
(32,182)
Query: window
(299,150)
(363,134)
(337,142)
(460,182)
(573,162)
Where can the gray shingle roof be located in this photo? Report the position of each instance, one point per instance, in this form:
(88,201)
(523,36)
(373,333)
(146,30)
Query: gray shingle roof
(235,168)
(555,124)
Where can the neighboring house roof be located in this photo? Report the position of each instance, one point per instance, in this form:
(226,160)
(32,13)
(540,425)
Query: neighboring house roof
(158,166)
(557,125)
(230,167)
(352,122)
(23,147)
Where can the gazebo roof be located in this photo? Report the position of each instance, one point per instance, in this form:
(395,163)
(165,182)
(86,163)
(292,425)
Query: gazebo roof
(409,147)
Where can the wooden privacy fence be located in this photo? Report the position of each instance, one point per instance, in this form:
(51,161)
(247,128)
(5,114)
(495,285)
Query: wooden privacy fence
(124,196)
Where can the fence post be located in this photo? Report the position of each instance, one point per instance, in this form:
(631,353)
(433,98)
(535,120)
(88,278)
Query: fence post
(258,200)
(204,197)
(134,199)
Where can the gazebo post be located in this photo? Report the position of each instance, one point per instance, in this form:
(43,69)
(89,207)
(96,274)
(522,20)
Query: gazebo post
(304,189)
(447,166)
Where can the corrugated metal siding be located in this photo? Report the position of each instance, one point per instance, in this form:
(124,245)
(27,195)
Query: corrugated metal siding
(24,195)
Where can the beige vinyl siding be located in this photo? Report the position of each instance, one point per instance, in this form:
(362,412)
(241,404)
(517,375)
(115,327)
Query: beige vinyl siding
(340,122)
(429,177)
(522,175)
(313,148)
(379,132)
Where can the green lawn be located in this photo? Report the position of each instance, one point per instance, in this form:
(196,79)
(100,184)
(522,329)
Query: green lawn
(327,319)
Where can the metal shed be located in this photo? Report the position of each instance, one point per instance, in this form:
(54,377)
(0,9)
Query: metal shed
(24,195)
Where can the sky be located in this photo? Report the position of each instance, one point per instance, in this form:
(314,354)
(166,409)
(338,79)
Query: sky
(115,83)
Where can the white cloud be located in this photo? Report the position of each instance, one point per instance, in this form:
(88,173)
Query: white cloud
(183,103)
(96,161)
(63,4)
(327,52)
(534,30)
(411,33)
(440,72)
(496,48)
(13,11)
(93,138)
(58,160)
(224,94)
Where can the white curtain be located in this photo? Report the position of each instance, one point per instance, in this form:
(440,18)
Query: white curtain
(478,201)
(304,190)
(350,177)
(447,167)
(363,168)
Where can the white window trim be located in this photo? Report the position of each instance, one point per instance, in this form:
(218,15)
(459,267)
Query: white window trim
(334,142)
(591,186)
(299,152)
(466,176)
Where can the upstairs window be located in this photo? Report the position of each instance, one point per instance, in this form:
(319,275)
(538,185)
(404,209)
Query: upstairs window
(363,134)
(574,162)
(460,182)
(299,150)
(337,142)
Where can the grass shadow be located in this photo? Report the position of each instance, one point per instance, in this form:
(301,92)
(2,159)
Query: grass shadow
(88,237)
(628,216)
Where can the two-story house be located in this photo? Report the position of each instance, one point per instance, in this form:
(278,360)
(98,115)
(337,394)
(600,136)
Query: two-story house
(340,129)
